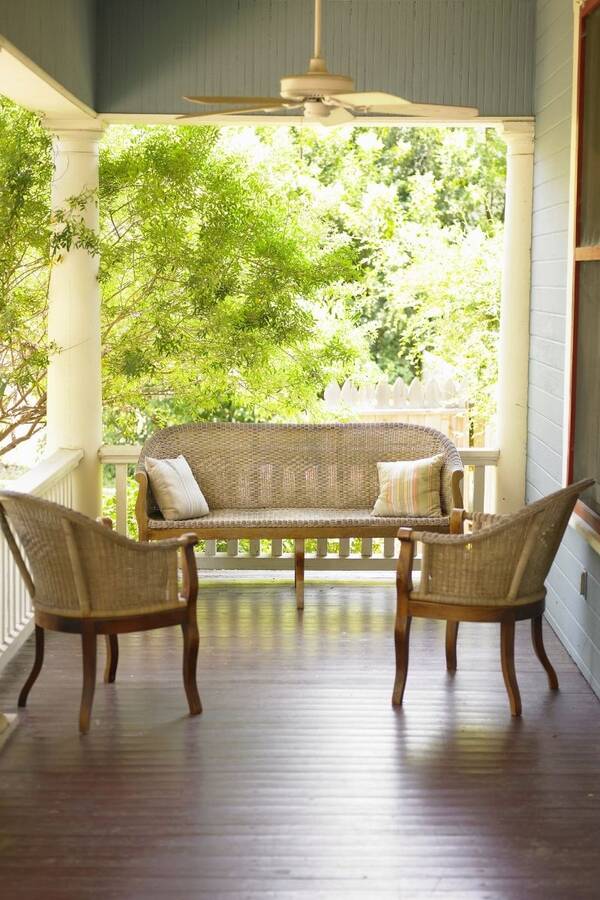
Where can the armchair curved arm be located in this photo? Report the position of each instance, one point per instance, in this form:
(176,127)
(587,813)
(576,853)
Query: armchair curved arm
(483,567)
(125,575)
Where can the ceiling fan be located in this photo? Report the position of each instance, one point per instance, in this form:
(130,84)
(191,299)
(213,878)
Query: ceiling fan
(326,98)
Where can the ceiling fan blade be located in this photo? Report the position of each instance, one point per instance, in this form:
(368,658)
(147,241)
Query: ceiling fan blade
(339,116)
(425,110)
(251,101)
(207,117)
(369,98)
(389,104)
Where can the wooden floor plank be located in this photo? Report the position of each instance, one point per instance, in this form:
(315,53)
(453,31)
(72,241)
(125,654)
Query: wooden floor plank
(300,780)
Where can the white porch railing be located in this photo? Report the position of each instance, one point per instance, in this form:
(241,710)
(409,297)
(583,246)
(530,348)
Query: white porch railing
(340,554)
(52,480)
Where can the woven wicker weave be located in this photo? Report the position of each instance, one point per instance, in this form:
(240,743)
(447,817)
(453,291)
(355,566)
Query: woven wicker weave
(504,560)
(296,468)
(76,563)
(298,519)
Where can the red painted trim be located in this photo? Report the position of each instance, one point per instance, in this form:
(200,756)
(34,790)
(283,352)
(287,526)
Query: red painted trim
(588,515)
(575,335)
(591,518)
(589,7)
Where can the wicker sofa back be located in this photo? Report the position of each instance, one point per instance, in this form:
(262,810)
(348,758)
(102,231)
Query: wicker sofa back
(331,466)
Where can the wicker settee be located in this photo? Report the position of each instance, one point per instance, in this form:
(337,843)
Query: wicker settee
(294,481)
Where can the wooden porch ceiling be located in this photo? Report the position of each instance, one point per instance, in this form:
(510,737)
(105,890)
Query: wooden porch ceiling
(299,780)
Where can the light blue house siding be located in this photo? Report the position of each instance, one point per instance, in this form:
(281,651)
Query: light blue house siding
(575,618)
(465,52)
(59,36)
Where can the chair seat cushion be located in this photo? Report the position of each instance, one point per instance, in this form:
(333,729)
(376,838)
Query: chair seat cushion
(297,518)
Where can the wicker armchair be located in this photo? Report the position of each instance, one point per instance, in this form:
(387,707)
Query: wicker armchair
(495,573)
(83,578)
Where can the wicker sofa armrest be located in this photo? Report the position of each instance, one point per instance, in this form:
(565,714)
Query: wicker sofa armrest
(457,472)
(141,504)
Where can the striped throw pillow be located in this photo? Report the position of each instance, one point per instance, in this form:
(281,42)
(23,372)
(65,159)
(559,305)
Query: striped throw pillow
(409,488)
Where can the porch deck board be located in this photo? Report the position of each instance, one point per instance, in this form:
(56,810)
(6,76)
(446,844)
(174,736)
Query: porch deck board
(299,780)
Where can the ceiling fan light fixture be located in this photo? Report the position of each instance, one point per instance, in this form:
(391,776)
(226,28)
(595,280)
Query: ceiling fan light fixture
(314,85)
(316,111)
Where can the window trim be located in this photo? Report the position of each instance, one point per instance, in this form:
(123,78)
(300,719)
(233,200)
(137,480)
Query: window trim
(580,254)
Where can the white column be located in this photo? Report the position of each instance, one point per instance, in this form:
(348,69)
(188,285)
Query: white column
(513,348)
(74,407)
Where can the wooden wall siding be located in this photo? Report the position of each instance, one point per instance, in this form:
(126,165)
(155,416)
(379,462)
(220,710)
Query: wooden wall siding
(59,36)
(476,52)
(575,618)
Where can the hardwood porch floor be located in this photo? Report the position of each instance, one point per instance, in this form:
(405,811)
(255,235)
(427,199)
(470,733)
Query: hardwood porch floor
(299,780)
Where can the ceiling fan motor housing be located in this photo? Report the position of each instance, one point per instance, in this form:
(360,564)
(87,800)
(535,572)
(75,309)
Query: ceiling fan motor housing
(314,85)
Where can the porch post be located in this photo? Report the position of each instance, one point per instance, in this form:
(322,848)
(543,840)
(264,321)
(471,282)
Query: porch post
(74,403)
(513,349)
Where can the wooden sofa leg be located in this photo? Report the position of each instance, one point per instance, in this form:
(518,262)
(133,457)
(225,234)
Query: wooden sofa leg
(37,665)
(540,651)
(299,574)
(507,647)
(451,636)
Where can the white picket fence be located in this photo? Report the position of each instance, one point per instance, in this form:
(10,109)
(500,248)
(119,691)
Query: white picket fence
(437,402)
(332,554)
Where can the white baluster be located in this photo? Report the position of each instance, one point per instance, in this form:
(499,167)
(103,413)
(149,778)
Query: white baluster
(478,488)
(276,547)
(121,497)
(344,551)
(366,547)
(210,548)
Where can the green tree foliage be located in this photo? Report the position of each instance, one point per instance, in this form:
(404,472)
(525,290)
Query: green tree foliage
(25,248)
(423,209)
(243,269)
(221,292)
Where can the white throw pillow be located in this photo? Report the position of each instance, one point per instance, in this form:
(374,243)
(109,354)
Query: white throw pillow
(175,489)
(409,488)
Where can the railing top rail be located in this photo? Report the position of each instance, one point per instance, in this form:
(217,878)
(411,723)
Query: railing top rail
(48,472)
(129,453)
(120,453)
(479,456)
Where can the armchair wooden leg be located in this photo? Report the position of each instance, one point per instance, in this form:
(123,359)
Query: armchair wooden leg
(36,668)
(451,636)
(540,651)
(88,646)
(299,574)
(191,641)
(507,648)
(401,639)
(112,658)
